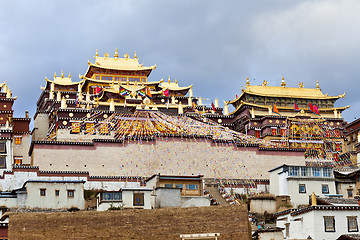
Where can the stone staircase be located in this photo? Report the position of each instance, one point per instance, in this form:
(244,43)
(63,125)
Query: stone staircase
(213,190)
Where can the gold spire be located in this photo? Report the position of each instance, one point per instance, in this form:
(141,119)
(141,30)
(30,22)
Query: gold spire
(126,56)
(175,80)
(55,75)
(301,85)
(283,83)
(169,79)
(135,56)
(62,74)
(116,53)
(97,53)
(317,85)
(264,83)
(162,80)
(106,55)
(247,81)
(69,75)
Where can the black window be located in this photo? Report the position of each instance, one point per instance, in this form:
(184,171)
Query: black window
(325,188)
(302,188)
(329,223)
(42,192)
(2,161)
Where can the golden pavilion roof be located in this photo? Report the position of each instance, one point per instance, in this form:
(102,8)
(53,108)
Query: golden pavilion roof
(286,92)
(62,80)
(116,63)
(173,86)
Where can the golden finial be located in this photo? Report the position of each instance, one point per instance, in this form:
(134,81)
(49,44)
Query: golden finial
(97,53)
(264,83)
(55,75)
(317,85)
(169,79)
(62,74)
(106,55)
(162,80)
(135,56)
(126,56)
(301,85)
(175,80)
(283,83)
(116,53)
(247,81)
(69,75)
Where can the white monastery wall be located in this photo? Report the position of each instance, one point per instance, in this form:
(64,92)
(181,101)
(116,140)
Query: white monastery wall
(174,157)
(17,180)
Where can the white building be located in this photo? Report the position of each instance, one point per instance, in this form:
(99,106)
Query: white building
(40,194)
(320,222)
(299,182)
(139,197)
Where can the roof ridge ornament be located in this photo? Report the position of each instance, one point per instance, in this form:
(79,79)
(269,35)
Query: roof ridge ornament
(301,85)
(126,56)
(116,53)
(317,85)
(55,75)
(135,56)
(106,55)
(264,83)
(62,74)
(283,83)
(169,79)
(97,53)
(247,81)
(69,75)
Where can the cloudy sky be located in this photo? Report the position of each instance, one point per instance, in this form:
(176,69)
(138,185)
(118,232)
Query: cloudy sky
(214,45)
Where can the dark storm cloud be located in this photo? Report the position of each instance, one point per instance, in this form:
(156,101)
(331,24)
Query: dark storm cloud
(213,45)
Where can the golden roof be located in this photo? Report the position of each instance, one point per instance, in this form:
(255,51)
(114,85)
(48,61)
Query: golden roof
(62,80)
(288,92)
(173,86)
(117,63)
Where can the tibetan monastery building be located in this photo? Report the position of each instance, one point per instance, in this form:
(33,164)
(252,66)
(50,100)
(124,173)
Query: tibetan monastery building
(115,121)
(295,118)
(14,133)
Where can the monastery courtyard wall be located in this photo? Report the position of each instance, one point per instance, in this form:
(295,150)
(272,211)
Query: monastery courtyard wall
(175,156)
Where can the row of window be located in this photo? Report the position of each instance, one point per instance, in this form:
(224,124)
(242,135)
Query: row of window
(124,79)
(89,128)
(70,193)
(188,186)
(138,199)
(329,223)
(310,171)
(324,188)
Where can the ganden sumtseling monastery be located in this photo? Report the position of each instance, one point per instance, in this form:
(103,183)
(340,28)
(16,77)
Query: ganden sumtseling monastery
(116,128)
(115,121)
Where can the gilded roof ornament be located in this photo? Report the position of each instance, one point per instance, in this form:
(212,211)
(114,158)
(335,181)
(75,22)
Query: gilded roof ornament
(126,56)
(264,83)
(69,75)
(55,75)
(247,81)
(317,85)
(175,80)
(283,83)
(106,55)
(301,85)
(169,79)
(116,53)
(135,56)
(97,53)
(62,74)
